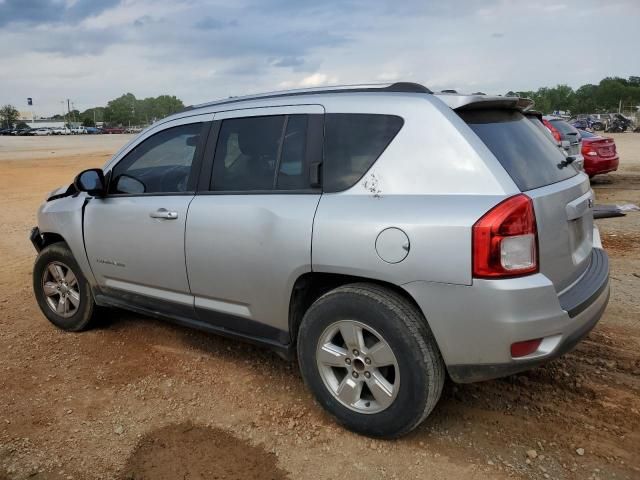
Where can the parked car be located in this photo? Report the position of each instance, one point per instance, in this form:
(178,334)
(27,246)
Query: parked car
(600,155)
(537,119)
(112,130)
(40,132)
(6,131)
(22,131)
(385,235)
(563,132)
(586,122)
(93,130)
(61,131)
(80,130)
(619,124)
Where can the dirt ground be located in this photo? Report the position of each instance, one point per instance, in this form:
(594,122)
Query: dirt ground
(142,399)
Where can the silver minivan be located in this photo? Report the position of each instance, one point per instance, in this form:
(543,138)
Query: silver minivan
(385,236)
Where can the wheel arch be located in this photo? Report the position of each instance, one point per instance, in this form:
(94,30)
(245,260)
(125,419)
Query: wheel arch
(310,286)
(49,238)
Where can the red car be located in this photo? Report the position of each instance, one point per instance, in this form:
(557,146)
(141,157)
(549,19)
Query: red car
(599,154)
(113,130)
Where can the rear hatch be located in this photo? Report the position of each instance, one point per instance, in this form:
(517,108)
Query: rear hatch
(562,197)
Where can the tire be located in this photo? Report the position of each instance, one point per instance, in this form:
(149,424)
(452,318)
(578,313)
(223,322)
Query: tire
(416,376)
(50,273)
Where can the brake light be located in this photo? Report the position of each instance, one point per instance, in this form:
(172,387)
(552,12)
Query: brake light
(554,131)
(587,149)
(505,240)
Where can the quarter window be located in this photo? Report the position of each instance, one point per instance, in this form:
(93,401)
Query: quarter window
(352,143)
(160,164)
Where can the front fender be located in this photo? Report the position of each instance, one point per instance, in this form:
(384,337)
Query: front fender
(64,217)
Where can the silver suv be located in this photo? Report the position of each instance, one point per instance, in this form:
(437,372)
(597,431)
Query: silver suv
(384,235)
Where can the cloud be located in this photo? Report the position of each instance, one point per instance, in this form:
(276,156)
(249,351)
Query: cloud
(36,12)
(200,50)
(210,23)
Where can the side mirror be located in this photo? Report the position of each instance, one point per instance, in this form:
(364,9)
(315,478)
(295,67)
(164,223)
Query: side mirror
(91,181)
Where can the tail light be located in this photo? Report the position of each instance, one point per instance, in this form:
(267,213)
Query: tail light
(505,240)
(587,149)
(554,131)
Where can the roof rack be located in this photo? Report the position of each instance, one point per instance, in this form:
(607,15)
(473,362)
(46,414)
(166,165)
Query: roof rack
(398,87)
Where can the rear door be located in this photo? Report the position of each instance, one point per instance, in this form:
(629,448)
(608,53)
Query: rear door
(249,228)
(562,196)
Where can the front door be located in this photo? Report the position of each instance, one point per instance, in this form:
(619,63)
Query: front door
(134,236)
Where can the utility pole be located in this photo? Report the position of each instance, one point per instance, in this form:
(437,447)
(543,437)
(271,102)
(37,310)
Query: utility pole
(68,110)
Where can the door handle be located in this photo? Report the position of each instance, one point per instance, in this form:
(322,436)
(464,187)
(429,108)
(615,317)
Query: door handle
(164,214)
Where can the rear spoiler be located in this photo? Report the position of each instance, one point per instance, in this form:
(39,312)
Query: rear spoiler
(481,102)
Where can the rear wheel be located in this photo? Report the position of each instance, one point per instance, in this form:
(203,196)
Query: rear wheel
(370,359)
(62,292)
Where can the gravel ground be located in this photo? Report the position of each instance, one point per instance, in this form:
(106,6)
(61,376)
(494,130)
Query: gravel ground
(140,398)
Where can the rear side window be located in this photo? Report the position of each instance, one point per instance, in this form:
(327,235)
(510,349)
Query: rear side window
(527,155)
(352,143)
(262,153)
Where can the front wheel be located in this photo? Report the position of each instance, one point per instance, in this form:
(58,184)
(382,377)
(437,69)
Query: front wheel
(370,359)
(62,292)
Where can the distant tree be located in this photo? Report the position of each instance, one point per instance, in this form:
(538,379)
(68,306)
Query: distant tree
(21,125)
(604,97)
(127,109)
(88,122)
(167,105)
(121,111)
(96,113)
(8,115)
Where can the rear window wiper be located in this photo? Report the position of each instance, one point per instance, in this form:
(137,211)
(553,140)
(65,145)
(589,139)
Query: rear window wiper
(566,162)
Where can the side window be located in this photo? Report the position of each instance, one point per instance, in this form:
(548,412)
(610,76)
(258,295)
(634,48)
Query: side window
(160,164)
(352,143)
(261,153)
(293,174)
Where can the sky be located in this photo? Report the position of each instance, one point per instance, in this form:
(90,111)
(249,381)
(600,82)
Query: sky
(91,51)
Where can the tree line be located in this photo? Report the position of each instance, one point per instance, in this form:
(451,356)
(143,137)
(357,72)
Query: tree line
(605,97)
(126,110)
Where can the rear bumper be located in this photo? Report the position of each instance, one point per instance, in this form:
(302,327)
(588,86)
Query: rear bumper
(476,325)
(599,165)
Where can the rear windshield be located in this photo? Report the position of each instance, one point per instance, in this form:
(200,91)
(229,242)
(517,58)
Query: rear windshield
(585,134)
(563,127)
(527,155)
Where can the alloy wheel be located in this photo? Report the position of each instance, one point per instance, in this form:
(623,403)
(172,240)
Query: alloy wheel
(358,366)
(61,289)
